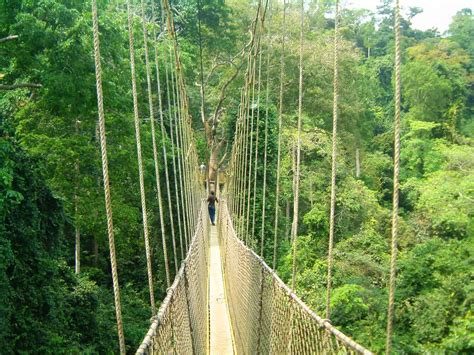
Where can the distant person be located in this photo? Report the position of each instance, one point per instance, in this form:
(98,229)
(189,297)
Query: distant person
(202,168)
(212,199)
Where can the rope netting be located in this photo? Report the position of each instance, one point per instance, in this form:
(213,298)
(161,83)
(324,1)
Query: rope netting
(181,325)
(266,317)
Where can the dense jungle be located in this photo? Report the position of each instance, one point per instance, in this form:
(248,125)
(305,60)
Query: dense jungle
(51,192)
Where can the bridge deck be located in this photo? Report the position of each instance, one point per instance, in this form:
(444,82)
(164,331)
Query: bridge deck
(219,327)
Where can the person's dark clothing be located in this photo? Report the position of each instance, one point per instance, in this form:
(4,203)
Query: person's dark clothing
(212,200)
(212,208)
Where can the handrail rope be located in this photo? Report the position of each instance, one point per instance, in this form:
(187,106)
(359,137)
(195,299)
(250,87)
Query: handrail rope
(280,120)
(164,307)
(155,156)
(298,152)
(334,160)
(105,175)
(396,172)
(323,323)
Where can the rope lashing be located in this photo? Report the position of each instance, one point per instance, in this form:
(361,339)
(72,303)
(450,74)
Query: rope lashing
(105,175)
(396,186)
(298,152)
(334,160)
(280,120)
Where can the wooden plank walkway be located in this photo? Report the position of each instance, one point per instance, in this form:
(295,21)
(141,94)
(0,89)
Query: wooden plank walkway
(219,327)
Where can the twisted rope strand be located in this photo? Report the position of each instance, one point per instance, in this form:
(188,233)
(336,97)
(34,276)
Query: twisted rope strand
(334,160)
(105,175)
(280,119)
(155,158)
(396,172)
(298,153)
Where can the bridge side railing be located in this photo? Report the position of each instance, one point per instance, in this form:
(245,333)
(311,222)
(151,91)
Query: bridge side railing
(266,316)
(181,325)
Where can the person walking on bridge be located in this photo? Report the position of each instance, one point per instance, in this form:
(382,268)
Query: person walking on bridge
(212,199)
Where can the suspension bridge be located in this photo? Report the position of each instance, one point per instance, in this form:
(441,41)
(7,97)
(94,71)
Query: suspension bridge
(225,299)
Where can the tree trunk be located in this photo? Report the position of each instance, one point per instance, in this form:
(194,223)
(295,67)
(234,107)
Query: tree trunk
(213,165)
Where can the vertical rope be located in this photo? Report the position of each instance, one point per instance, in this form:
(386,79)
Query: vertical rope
(396,172)
(155,152)
(168,192)
(252,116)
(298,152)
(152,119)
(334,160)
(280,119)
(257,138)
(173,117)
(163,131)
(176,104)
(105,174)
(265,145)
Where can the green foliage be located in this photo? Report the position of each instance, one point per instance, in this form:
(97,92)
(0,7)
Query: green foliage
(50,170)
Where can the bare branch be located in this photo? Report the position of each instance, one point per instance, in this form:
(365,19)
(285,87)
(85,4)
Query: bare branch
(19,86)
(9,38)
(223,95)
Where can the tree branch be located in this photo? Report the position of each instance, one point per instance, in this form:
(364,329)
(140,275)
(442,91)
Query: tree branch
(9,38)
(223,95)
(19,86)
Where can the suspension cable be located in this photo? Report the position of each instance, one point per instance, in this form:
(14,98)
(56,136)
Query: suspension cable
(176,158)
(264,192)
(155,157)
(168,190)
(334,160)
(396,172)
(252,116)
(280,119)
(298,152)
(257,134)
(105,175)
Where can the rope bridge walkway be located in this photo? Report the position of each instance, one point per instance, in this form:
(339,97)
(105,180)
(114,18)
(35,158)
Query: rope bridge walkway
(225,299)
(266,316)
